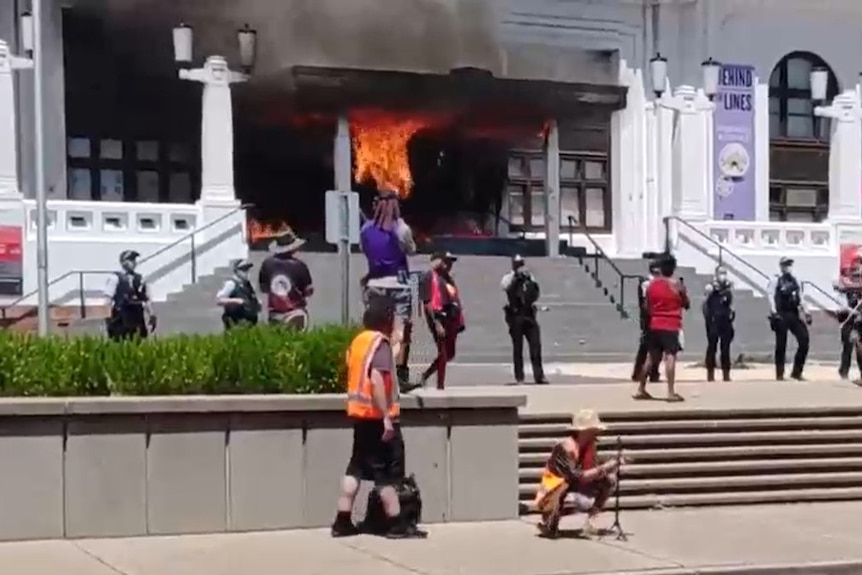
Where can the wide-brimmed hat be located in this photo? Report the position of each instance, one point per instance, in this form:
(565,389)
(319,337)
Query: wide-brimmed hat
(286,242)
(587,419)
(444,256)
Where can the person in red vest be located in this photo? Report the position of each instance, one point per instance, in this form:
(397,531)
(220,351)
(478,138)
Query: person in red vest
(666,298)
(442,306)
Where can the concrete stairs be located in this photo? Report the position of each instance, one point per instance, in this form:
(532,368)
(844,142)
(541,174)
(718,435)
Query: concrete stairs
(715,458)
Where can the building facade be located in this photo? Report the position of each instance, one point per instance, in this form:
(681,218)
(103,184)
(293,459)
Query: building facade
(136,157)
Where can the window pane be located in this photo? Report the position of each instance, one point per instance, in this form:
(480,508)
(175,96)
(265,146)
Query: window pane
(148,186)
(78,147)
(537,207)
(775,195)
(800,127)
(568,169)
(774,105)
(80,181)
(800,216)
(111,149)
(799,106)
(595,207)
(801,197)
(775,216)
(179,153)
(774,126)
(516,168)
(594,170)
(537,168)
(825,128)
(516,205)
(775,78)
(569,206)
(111,188)
(823,198)
(180,188)
(148,151)
(799,74)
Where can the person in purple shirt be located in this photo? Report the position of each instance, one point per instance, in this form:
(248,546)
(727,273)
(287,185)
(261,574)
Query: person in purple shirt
(386,241)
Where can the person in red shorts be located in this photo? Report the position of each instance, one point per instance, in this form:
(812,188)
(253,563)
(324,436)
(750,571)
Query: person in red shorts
(666,298)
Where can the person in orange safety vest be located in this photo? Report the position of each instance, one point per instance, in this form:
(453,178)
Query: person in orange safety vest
(442,306)
(374,409)
(573,478)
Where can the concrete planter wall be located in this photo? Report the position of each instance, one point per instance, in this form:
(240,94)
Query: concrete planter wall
(97,467)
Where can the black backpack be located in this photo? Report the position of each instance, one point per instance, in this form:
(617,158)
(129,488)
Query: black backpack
(375,522)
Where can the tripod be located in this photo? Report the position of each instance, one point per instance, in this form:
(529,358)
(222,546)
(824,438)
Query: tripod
(617,526)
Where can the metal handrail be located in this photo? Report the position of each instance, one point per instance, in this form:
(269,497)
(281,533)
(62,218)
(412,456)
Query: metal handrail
(600,254)
(828,295)
(81,273)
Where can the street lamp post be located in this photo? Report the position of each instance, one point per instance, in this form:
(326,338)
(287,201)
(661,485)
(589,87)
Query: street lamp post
(683,102)
(217,183)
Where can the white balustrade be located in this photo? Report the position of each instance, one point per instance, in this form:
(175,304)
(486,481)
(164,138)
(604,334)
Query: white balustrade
(747,237)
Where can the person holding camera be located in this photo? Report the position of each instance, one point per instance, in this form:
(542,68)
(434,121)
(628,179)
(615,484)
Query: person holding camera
(522,293)
(787,313)
(643,342)
(718,315)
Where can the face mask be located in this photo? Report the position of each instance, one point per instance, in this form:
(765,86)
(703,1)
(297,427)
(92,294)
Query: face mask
(129,265)
(721,278)
(787,270)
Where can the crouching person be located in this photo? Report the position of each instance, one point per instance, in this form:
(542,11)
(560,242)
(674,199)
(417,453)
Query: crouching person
(572,478)
(373,407)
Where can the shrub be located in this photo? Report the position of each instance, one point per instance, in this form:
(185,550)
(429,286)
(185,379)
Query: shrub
(262,359)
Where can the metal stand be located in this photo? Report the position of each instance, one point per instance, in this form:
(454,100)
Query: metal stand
(617,526)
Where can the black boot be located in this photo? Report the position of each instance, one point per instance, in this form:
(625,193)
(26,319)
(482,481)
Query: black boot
(725,375)
(343,526)
(710,374)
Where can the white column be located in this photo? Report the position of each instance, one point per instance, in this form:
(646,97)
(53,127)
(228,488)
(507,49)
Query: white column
(342,163)
(9,182)
(217,183)
(663,120)
(845,157)
(633,222)
(691,189)
(761,151)
(552,189)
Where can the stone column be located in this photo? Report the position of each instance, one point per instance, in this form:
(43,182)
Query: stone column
(691,189)
(552,189)
(342,163)
(217,182)
(9,182)
(845,157)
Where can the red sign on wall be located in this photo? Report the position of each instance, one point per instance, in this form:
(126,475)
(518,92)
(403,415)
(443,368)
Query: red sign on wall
(11,260)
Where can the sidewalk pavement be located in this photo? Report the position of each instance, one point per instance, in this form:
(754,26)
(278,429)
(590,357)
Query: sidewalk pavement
(718,540)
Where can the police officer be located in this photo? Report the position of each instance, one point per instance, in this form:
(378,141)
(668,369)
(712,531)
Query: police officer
(789,314)
(522,293)
(718,316)
(643,343)
(850,285)
(238,298)
(131,312)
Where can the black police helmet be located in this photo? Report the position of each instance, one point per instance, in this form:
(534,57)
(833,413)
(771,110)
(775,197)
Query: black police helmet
(129,255)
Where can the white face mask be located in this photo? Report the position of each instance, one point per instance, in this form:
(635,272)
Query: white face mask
(787,269)
(129,265)
(722,278)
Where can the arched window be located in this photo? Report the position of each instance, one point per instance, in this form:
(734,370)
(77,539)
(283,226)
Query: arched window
(799,148)
(791,110)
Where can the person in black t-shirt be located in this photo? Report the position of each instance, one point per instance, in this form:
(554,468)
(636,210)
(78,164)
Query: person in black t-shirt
(286,281)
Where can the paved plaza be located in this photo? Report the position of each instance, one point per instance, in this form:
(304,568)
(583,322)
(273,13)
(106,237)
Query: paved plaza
(719,540)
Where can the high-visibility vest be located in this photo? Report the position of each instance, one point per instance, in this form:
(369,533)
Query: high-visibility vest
(360,401)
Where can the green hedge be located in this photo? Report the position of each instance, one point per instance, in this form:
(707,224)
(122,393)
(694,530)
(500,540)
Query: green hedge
(257,360)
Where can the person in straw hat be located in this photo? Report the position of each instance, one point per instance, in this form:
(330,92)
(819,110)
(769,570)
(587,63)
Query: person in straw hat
(573,478)
(286,281)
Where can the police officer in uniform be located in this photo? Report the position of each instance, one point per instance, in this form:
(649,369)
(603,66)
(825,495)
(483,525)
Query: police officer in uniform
(789,314)
(522,293)
(850,285)
(643,343)
(131,313)
(238,298)
(718,316)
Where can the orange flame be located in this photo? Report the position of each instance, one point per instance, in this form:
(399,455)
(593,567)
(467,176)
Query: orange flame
(258,231)
(380,151)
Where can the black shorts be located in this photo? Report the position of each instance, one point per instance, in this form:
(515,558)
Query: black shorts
(663,342)
(372,458)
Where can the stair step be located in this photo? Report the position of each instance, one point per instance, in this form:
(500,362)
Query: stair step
(723,468)
(735,498)
(723,454)
(611,417)
(726,483)
(763,437)
(670,426)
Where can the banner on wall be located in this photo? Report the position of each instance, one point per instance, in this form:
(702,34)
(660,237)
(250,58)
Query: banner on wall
(11,261)
(735,189)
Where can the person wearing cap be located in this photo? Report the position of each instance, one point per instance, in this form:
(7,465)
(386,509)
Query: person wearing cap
(643,342)
(573,478)
(718,315)
(788,313)
(286,281)
(441,304)
(126,295)
(238,298)
(522,293)
(387,241)
(849,284)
